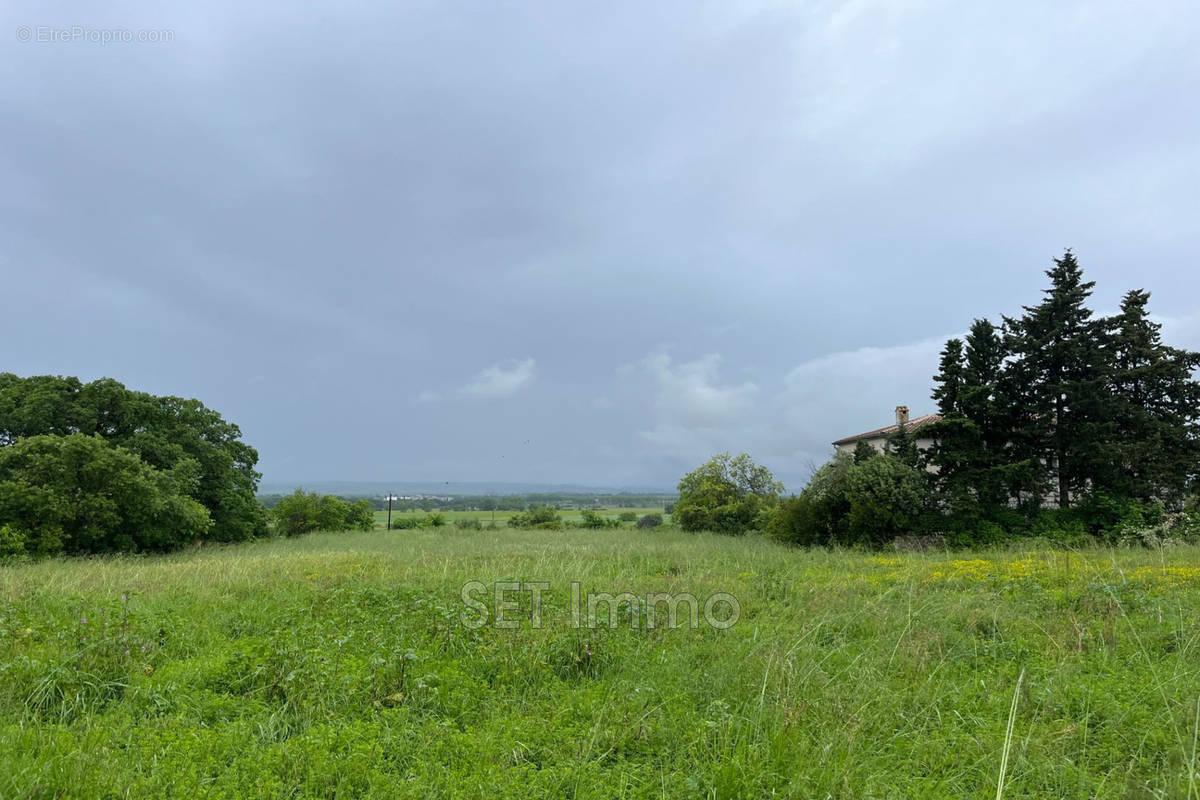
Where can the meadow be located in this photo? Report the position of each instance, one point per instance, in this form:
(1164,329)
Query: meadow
(336,665)
(568,515)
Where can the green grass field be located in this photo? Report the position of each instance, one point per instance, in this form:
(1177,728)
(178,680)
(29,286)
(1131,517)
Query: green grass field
(335,665)
(501,517)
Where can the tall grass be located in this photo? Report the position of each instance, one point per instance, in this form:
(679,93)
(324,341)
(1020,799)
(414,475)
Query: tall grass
(335,665)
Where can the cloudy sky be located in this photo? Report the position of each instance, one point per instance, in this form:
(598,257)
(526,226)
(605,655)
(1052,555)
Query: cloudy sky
(575,242)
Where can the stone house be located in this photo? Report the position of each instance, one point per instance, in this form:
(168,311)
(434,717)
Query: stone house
(878,437)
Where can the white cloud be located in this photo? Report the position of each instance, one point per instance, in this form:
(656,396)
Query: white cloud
(788,428)
(503,379)
(695,414)
(690,394)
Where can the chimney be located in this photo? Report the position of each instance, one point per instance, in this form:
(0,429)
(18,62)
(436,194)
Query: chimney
(901,415)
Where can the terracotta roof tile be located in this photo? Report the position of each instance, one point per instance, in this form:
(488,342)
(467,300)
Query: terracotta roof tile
(914,425)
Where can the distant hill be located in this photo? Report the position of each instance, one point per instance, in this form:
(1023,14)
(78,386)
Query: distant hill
(374,488)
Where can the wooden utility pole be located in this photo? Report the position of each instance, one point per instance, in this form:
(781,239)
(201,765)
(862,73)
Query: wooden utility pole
(389,525)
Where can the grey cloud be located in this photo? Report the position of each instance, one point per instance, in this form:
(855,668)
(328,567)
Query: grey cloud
(310,217)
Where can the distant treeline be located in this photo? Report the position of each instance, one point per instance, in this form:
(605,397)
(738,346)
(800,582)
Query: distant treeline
(510,502)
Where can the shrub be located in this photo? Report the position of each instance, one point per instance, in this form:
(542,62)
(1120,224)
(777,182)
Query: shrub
(405,523)
(332,513)
(296,514)
(886,500)
(12,541)
(537,517)
(468,524)
(650,521)
(304,512)
(730,495)
(360,516)
(982,534)
(1061,526)
(627,516)
(595,521)
(435,520)
(1171,529)
(817,516)
(869,503)
(1105,516)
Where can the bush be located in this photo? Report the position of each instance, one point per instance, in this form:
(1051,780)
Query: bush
(1172,529)
(360,516)
(405,523)
(1062,527)
(982,534)
(12,541)
(595,521)
(537,517)
(886,499)
(435,520)
(300,512)
(627,516)
(730,495)
(869,503)
(650,521)
(817,516)
(1105,516)
(468,524)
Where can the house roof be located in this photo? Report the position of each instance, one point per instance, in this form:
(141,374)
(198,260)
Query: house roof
(913,425)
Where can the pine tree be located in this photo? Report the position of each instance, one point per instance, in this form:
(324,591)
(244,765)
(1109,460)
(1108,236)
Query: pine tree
(1154,448)
(949,379)
(1058,382)
(970,449)
(903,446)
(863,450)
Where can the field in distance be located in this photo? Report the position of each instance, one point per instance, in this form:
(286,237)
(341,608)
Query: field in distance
(337,665)
(502,517)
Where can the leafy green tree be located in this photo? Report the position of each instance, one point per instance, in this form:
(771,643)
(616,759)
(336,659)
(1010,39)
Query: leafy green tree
(168,433)
(80,494)
(727,494)
(360,516)
(332,513)
(297,513)
(650,521)
(305,512)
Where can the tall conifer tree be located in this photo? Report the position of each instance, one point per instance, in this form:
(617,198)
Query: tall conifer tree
(1059,378)
(1154,449)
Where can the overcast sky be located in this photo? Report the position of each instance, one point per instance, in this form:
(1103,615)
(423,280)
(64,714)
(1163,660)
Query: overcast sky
(575,242)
